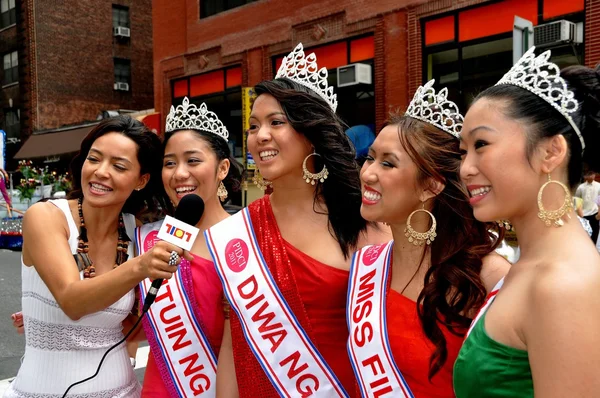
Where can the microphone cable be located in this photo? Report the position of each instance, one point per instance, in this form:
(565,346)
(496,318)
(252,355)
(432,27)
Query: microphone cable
(106,353)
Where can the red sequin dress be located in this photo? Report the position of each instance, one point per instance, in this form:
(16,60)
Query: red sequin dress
(412,349)
(315,292)
(208,292)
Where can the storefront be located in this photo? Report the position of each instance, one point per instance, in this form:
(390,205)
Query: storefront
(469,49)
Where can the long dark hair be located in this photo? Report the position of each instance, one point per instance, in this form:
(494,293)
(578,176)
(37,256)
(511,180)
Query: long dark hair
(543,121)
(149,155)
(219,147)
(452,288)
(311,116)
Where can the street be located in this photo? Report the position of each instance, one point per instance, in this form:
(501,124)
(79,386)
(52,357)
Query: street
(12,345)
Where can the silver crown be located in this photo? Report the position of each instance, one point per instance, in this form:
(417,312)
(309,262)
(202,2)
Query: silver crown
(304,70)
(191,117)
(436,109)
(542,78)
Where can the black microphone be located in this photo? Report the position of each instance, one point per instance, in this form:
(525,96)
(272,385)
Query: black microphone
(189,211)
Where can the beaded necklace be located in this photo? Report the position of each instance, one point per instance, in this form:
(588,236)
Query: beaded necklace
(84,263)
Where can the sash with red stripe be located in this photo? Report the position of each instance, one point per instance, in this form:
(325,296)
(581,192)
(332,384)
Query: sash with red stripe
(488,301)
(368,345)
(270,326)
(182,351)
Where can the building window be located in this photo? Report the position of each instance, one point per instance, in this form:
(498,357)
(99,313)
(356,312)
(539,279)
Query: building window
(11,68)
(8,14)
(470,50)
(122,74)
(12,123)
(356,103)
(212,7)
(120,16)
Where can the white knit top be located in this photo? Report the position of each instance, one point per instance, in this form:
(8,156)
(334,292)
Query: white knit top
(60,351)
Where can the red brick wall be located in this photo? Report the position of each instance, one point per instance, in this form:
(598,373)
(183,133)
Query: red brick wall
(74,70)
(251,35)
(592,32)
(391,66)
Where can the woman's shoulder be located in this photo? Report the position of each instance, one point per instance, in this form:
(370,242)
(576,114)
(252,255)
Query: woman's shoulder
(45,214)
(566,281)
(494,267)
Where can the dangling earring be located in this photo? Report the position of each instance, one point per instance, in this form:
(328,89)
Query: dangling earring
(222,192)
(260,182)
(555,216)
(418,238)
(311,178)
(504,224)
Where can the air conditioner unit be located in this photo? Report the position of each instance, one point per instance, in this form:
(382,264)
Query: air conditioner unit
(352,74)
(556,32)
(121,86)
(122,31)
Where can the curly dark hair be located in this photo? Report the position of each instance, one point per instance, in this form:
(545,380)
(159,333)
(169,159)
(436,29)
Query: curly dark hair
(312,116)
(149,154)
(453,289)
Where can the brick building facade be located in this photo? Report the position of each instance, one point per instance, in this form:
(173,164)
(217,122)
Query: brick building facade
(70,57)
(208,50)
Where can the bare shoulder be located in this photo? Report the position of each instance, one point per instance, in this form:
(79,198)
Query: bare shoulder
(493,268)
(374,235)
(568,282)
(44,216)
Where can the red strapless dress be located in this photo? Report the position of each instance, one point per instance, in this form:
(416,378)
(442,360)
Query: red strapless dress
(209,295)
(324,290)
(412,349)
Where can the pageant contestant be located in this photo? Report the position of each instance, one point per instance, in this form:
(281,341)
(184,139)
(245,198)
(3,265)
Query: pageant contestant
(185,324)
(78,284)
(524,142)
(284,260)
(412,299)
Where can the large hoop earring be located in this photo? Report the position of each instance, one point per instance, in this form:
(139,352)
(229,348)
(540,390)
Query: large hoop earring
(222,192)
(418,238)
(260,182)
(550,217)
(311,178)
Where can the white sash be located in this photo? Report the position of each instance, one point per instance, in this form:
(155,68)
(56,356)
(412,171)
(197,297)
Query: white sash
(177,334)
(368,344)
(490,298)
(283,349)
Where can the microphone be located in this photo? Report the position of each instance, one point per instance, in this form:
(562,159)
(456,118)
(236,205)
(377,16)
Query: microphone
(180,231)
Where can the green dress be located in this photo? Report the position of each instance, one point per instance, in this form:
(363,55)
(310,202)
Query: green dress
(485,368)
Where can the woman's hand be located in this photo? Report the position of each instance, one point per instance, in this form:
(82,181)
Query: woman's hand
(160,263)
(17,319)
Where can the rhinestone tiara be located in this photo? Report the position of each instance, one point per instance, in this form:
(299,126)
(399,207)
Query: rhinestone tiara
(191,117)
(542,78)
(304,70)
(436,109)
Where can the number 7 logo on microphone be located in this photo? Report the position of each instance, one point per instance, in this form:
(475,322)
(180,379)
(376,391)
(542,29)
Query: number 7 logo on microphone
(178,233)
